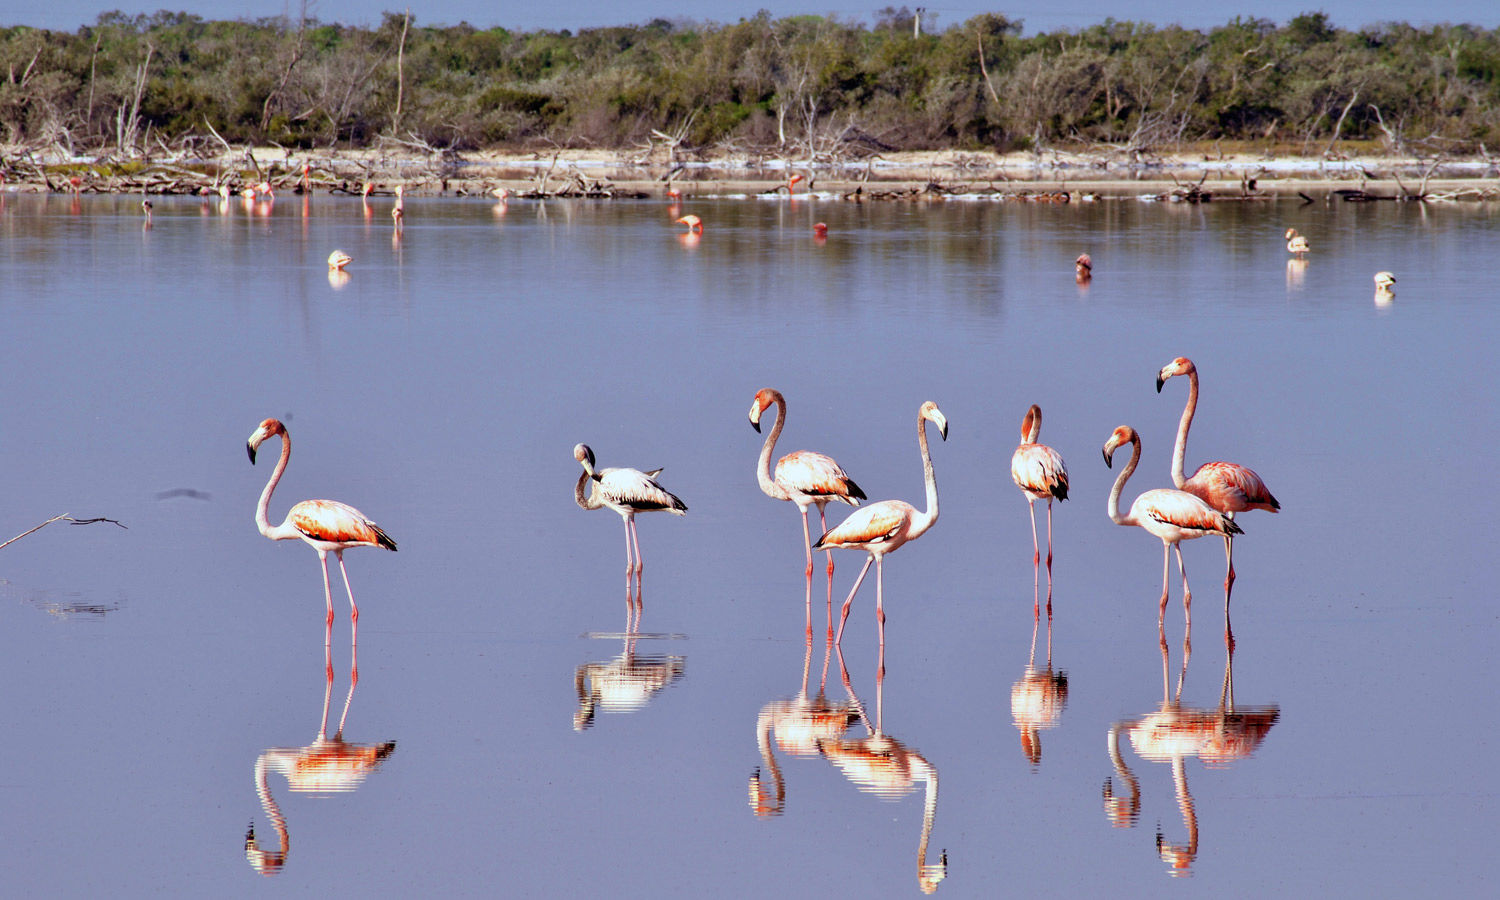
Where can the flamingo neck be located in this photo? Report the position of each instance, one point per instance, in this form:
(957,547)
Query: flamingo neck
(267,862)
(283,531)
(768,759)
(1119,488)
(1033,430)
(925,519)
(585,501)
(928,876)
(763,475)
(1179,452)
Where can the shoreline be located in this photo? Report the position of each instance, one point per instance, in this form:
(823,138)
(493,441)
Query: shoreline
(1053,175)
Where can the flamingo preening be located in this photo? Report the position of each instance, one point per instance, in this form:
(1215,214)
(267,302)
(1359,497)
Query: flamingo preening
(1227,487)
(326,525)
(693,223)
(627,492)
(1083,269)
(1041,474)
(1296,243)
(804,477)
(1385,287)
(1171,515)
(882,527)
(338,259)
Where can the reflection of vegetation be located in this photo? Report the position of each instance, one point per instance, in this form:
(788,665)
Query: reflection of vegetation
(798,85)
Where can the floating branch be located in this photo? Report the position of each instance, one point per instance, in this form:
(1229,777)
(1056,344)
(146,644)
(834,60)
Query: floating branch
(62,518)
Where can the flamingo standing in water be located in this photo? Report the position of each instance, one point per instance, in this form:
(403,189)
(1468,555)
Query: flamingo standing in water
(1227,487)
(627,492)
(1083,269)
(337,260)
(693,223)
(805,478)
(326,525)
(882,527)
(1296,243)
(1171,515)
(1041,474)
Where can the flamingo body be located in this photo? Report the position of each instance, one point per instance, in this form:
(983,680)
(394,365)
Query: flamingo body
(1295,242)
(330,525)
(338,259)
(627,492)
(693,223)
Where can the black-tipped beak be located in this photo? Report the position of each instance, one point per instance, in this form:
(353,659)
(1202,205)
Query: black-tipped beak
(944,431)
(1107,462)
(1159,382)
(756,426)
(250,448)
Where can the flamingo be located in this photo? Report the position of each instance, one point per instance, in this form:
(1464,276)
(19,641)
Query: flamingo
(338,259)
(820,231)
(500,194)
(1384,287)
(883,527)
(146,209)
(804,477)
(1171,515)
(627,492)
(1227,487)
(326,525)
(1296,243)
(1041,474)
(304,184)
(265,191)
(1083,268)
(693,223)
(791,184)
(224,192)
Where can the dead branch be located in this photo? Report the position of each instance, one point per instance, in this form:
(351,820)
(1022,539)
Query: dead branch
(62,518)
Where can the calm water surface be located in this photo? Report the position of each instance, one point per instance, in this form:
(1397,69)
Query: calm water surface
(165,685)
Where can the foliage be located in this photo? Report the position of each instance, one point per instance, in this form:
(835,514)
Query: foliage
(796,85)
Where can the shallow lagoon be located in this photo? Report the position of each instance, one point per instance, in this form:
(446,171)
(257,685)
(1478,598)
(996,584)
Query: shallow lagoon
(441,389)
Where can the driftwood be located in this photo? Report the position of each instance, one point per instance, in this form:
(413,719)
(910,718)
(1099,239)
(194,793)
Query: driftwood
(62,518)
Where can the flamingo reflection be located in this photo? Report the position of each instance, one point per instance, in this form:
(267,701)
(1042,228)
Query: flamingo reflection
(884,766)
(328,765)
(1173,734)
(1038,698)
(799,725)
(626,683)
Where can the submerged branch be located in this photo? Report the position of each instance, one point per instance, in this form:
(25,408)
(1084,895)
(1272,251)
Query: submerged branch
(62,518)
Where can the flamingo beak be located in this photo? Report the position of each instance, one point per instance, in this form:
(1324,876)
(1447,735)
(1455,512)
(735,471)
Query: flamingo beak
(1107,461)
(1159,382)
(250,448)
(756,425)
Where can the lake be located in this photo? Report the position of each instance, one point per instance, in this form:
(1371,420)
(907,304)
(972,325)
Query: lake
(513,730)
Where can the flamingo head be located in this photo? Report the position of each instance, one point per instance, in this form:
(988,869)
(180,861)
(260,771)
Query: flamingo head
(1384,280)
(821,229)
(693,223)
(266,862)
(585,455)
(1031,424)
(1123,435)
(338,259)
(266,429)
(1084,262)
(1179,366)
(1291,233)
(763,400)
(931,413)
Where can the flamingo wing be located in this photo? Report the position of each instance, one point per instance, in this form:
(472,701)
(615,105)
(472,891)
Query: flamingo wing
(1231,488)
(815,475)
(1039,471)
(1184,512)
(337,523)
(870,526)
(636,490)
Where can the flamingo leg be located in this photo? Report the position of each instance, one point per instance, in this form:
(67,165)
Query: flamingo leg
(629,559)
(823,523)
(1229,558)
(353,619)
(1036,551)
(807,545)
(327,598)
(1166,569)
(880,608)
(1049,541)
(849,601)
(807,542)
(640,562)
(1187,595)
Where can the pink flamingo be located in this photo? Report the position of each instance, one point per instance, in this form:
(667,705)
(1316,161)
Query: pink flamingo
(804,477)
(326,525)
(1169,514)
(693,223)
(337,260)
(1296,243)
(1083,269)
(1227,487)
(627,492)
(1041,474)
(883,527)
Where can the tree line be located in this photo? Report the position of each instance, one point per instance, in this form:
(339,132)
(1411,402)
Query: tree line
(799,86)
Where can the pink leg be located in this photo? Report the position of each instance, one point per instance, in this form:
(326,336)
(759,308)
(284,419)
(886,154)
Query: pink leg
(1036,551)
(823,522)
(807,544)
(1049,541)
(1229,558)
(640,563)
(1187,595)
(880,605)
(844,619)
(1166,569)
(327,597)
(353,609)
(629,558)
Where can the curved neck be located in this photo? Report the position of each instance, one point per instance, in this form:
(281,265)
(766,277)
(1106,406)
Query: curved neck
(261,521)
(763,475)
(1125,473)
(1179,452)
(763,805)
(267,862)
(927,517)
(585,500)
(928,876)
(1033,429)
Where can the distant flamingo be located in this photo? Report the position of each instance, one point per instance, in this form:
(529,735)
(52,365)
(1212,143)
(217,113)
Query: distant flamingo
(883,527)
(1385,289)
(1227,487)
(224,192)
(1083,268)
(1171,515)
(1041,474)
(265,191)
(804,477)
(1295,242)
(338,259)
(325,525)
(791,183)
(820,231)
(146,209)
(693,223)
(304,184)
(500,194)
(627,492)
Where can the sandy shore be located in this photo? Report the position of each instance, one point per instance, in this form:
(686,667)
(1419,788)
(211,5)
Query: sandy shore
(926,175)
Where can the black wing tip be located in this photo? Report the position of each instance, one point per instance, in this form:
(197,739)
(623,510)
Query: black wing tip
(383,539)
(1232,527)
(855,490)
(1060,490)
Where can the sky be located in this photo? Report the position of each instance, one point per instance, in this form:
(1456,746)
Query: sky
(68,15)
